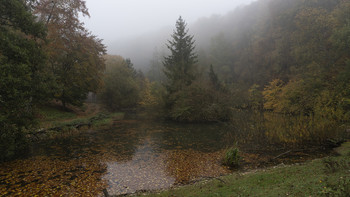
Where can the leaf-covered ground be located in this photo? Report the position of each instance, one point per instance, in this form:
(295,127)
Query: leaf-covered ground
(45,176)
(129,158)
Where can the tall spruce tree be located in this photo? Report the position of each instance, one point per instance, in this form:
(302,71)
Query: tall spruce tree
(179,67)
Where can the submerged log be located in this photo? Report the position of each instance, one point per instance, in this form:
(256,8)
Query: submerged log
(60,128)
(282,154)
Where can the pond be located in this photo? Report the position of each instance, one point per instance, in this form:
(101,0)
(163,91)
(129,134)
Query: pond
(138,155)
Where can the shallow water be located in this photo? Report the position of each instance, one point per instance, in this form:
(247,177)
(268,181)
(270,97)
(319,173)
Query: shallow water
(136,156)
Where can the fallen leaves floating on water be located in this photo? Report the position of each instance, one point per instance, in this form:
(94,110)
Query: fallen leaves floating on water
(130,158)
(44,176)
(188,165)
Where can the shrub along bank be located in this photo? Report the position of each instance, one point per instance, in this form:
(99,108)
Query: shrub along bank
(329,176)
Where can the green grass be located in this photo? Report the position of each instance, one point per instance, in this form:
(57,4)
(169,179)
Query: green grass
(49,114)
(310,179)
(53,116)
(108,121)
(344,149)
(101,119)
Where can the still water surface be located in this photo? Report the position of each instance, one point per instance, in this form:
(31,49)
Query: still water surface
(138,155)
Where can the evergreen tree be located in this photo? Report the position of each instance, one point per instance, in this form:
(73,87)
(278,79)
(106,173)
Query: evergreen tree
(214,78)
(179,67)
(22,81)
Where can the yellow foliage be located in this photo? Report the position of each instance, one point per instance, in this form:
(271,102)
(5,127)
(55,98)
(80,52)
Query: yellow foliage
(272,93)
(147,98)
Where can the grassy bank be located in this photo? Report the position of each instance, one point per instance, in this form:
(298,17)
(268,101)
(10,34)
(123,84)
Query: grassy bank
(321,177)
(54,121)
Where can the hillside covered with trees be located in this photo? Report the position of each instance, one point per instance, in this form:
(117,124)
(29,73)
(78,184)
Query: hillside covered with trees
(286,57)
(281,56)
(265,84)
(294,53)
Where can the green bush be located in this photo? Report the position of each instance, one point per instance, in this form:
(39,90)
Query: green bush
(232,158)
(12,141)
(199,103)
(121,89)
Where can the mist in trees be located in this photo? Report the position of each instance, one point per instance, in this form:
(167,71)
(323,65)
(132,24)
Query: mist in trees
(180,66)
(288,57)
(274,55)
(188,96)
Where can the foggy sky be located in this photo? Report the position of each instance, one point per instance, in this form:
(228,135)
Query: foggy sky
(123,19)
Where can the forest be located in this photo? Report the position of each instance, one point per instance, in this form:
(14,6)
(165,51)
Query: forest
(264,88)
(284,57)
(279,56)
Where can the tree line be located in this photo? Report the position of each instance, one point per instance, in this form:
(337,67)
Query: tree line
(45,53)
(289,57)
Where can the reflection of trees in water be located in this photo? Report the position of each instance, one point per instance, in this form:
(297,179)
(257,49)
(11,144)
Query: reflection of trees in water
(117,144)
(72,166)
(182,152)
(200,137)
(246,129)
(254,130)
(301,129)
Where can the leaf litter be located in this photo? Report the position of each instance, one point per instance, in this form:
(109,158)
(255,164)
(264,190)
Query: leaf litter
(125,160)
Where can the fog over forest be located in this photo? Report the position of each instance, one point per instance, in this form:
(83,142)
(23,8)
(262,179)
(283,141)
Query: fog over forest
(115,97)
(137,29)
